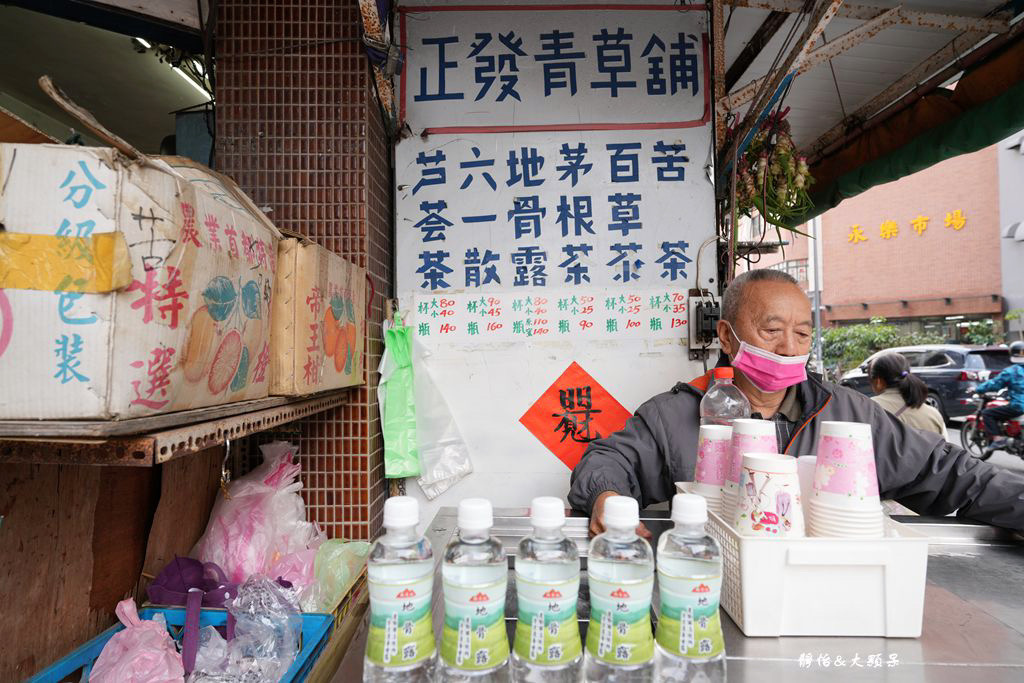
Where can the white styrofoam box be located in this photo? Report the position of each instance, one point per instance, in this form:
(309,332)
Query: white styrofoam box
(188,323)
(824,586)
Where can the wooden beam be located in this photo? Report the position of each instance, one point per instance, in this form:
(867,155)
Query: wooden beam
(932,20)
(833,48)
(718,63)
(823,14)
(769,27)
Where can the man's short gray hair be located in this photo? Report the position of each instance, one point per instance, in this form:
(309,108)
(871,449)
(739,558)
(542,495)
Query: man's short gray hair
(734,292)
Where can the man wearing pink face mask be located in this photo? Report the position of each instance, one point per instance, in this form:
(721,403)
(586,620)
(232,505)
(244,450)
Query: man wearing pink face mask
(766,333)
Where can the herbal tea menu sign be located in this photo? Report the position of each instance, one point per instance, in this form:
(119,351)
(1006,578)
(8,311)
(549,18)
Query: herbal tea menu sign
(552,200)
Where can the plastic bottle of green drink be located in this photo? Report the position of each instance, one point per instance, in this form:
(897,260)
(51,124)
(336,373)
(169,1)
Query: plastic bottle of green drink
(620,569)
(400,569)
(547,644)
(474,644)
(689,636)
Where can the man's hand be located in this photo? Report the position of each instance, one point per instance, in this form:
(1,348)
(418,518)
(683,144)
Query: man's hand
(597,516)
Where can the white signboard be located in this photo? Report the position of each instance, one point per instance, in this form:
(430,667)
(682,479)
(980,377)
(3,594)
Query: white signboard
(552,215)
(550,210)
(548,67)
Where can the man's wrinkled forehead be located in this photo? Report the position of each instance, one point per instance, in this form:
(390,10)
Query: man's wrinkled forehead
(765,302)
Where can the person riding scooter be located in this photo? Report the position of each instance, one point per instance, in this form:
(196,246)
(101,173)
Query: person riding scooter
(1012,378)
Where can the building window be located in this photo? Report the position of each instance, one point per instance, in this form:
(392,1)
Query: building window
(797,268)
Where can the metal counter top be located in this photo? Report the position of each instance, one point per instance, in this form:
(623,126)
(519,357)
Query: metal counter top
(973,613)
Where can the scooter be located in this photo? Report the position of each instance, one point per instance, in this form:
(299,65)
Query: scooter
(974,437)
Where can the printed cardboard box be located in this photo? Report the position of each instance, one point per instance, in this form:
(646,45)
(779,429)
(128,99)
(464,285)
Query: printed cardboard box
(319,320)
(128,288)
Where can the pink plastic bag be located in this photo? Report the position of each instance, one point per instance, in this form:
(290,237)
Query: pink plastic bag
(263,521)
(142,653)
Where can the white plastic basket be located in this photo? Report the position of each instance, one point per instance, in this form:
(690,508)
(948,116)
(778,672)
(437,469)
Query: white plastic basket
(824,586)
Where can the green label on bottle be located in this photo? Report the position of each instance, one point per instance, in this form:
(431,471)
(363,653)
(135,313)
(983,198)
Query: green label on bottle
(620,621)
(474,635)
(689,624)
(547,632)
(401,632)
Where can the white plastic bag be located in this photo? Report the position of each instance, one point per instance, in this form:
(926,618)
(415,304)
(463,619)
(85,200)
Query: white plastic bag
(443,452)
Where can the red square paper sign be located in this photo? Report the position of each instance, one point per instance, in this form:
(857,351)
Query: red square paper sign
(573,411)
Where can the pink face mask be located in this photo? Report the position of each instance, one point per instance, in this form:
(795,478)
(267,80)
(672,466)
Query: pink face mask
(766,370)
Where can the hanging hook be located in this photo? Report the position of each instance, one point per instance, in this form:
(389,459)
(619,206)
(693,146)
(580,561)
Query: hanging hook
(225,471)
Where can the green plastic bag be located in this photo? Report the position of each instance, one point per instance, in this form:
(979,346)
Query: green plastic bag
(337,566)
(397,400)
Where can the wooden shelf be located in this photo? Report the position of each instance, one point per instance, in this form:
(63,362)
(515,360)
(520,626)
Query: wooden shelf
(149,441)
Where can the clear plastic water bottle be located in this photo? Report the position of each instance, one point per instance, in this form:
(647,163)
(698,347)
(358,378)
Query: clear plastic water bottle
(620,570)
(474,644)
(723,402)
(547,645)
(689,636)
(400,572)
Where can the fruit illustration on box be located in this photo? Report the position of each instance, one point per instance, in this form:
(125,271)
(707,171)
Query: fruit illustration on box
(340,334)
(215,348)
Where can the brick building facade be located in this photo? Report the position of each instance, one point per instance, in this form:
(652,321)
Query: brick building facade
(923,251)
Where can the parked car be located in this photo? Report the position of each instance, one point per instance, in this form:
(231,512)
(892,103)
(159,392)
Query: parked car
(951,372)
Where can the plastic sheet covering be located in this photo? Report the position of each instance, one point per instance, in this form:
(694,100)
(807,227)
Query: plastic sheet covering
(443,452)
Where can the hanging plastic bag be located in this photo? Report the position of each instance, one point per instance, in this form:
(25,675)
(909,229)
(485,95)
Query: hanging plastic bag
(338,564)
(443,452)
(262,520)
(142,653)
(397,401)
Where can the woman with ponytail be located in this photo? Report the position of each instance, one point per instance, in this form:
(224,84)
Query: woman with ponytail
(903,394)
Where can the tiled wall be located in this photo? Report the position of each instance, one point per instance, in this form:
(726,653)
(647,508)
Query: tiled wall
(299,130)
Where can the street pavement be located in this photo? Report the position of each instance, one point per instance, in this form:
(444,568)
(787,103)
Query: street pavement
(1000,458)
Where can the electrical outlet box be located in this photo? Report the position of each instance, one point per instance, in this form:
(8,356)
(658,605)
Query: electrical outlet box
(704,315)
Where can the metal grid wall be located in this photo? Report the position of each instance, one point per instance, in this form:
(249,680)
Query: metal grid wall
(299,129)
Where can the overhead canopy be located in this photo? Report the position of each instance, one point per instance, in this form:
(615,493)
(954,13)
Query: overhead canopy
(879,90)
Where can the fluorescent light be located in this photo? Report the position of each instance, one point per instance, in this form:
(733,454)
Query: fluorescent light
(145,43)
(191,82)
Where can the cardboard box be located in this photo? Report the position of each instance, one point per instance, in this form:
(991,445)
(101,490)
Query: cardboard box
(129,288)
(319,320)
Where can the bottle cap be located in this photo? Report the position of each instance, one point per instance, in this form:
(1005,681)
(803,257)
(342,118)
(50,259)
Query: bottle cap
(621,512)
(689,508)
(401,511)
(475,514)
(547,512)
(723,373)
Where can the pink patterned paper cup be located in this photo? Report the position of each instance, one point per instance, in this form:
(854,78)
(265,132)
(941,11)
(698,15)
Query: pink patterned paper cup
(714,454)
(845,474)
(750,436)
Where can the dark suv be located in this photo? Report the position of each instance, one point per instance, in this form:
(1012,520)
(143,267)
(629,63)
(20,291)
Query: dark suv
(950,371)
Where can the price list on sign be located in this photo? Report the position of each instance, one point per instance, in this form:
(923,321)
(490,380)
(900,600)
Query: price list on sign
(542,315)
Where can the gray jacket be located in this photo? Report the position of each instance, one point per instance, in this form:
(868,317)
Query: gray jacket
(921,470)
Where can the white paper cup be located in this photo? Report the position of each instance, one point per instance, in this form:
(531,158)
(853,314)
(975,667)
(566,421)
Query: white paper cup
(805,470)
(712,494)
(769,497)
(748,436)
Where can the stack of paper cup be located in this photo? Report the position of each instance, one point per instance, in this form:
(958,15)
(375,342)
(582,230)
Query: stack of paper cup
(769,497)
(748,436)
(845,500)
(714,458)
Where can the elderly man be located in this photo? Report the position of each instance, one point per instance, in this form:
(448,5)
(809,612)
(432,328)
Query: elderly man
(765,334)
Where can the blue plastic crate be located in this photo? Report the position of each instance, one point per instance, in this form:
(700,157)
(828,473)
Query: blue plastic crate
(316,629)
